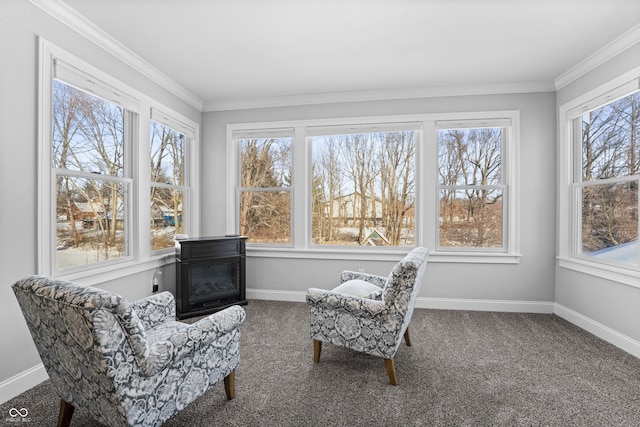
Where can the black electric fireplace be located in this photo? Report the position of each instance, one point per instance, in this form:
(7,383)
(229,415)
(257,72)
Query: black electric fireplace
(210,274)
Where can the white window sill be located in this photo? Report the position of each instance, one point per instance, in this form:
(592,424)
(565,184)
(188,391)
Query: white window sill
(378,254)
(118,270)
(610,272)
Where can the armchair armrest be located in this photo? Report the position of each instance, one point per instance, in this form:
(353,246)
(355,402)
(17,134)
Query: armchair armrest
(358,306)
(379,281)
(155,309)
(220,323)
(217,328)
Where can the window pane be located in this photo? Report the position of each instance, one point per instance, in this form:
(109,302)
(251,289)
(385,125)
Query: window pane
(610,222)
(469,161)
(167,218)
(88,132)
(471,218)
(364,189)
(265,162)
(265,216)
(470,156)
(167,155)
(610,146)
(90,221)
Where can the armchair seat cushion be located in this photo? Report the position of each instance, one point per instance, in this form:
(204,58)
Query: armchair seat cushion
(359,288)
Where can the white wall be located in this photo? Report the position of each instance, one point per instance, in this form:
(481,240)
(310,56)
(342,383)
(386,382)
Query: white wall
(532,280)
(20,24)
(604,304)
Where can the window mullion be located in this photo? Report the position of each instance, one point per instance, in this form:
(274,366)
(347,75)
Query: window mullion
(300,202)
(141,170)
(428,212)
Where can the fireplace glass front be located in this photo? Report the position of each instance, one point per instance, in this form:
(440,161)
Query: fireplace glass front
(213,282)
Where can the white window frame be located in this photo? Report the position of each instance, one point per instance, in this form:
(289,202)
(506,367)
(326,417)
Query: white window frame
(140,256)
(504,178)
(342,129)
(570,166)
(427,223)
(189,130)
(239,135)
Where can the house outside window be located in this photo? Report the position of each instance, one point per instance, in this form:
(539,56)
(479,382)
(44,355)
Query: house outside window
(377,185)
(363,185)
(95,209)
(169,184)
(89,150)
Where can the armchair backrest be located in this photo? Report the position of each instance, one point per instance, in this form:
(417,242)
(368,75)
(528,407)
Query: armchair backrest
(75,329)
(403,285)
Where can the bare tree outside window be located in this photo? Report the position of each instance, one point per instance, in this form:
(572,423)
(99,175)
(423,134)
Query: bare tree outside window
(265,184)
(364,189)
(609,187)
(471,188)
(167,154)
(87,155)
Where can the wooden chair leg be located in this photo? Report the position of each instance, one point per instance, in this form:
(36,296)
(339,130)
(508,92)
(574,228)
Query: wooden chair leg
(66,412)
(407,338)
(317,348)
(230,385)
(391,371)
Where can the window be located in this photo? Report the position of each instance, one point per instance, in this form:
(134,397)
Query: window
(601,165)
(363,185)
(264,193)
(606,189)
(89,154)
(94,211)
(376,185)
(168,181)
(471,185)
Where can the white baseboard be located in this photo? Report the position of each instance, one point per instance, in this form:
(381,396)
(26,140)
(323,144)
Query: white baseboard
(434,303)
(485,305)
(612,336)
(293,296)
(22,382)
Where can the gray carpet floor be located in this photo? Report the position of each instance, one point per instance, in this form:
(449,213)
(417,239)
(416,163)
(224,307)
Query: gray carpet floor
(463,369)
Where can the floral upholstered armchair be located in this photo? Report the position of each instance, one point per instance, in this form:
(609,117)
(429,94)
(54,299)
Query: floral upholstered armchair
(126,363)
(368,313)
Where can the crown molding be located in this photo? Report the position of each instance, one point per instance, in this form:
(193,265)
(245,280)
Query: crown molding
(617,46)
(375,95)
(72,19)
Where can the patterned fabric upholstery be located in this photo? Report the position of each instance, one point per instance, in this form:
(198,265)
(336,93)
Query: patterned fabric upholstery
(367,325)
(126,363)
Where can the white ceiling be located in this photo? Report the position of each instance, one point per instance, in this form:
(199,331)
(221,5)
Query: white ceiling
(244,53)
